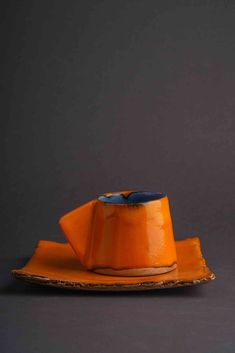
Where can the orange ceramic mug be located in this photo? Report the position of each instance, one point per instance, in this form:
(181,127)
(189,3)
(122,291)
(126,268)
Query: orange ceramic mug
(126,234)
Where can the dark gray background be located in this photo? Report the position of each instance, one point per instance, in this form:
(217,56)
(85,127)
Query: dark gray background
(111,95)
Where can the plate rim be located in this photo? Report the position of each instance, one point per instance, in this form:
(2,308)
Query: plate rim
(99,286)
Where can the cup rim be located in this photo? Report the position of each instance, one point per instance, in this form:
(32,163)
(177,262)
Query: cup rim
(135,197)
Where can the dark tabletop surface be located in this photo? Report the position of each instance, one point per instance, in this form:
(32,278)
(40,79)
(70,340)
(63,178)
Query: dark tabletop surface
(99,96)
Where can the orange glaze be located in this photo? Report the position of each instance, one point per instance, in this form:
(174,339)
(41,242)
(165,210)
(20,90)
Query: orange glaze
(121,236)
(56,264)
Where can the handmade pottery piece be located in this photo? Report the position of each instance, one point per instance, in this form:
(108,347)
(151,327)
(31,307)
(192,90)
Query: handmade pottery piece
(124,234)
(56,265)
(118,242)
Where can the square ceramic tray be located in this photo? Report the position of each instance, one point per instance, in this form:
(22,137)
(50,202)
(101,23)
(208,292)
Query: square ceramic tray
(55,264)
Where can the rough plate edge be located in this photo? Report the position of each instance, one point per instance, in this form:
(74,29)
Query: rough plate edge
(108,287)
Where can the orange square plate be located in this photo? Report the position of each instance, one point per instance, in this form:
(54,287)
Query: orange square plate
(55,264)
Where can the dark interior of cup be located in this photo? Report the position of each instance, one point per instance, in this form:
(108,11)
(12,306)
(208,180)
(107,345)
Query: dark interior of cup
(133,197)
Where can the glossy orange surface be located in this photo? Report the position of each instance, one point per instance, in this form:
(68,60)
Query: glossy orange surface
(55,264)
(121,236)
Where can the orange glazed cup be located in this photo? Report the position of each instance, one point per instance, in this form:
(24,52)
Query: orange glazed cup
(123,233)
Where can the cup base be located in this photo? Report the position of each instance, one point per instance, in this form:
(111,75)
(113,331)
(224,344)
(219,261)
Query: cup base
(131,272)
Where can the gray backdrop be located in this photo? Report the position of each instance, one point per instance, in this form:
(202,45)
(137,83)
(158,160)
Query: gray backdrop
(103,96)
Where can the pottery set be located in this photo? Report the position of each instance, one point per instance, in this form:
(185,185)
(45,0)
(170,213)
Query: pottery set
(118,241)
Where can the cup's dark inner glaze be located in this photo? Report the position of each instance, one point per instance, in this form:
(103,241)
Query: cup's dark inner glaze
(134,197)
